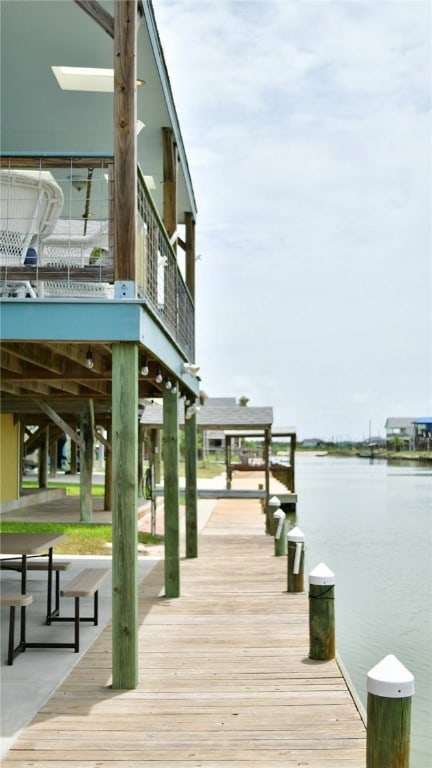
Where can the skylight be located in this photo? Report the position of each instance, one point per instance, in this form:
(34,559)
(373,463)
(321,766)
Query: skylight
(85,79)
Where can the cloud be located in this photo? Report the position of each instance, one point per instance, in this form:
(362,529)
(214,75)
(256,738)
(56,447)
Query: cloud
(307,127)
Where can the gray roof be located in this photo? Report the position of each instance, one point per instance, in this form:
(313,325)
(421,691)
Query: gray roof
(396,422)
(221,401)
(216,417)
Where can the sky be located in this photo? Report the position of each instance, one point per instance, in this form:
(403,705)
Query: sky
(307,127)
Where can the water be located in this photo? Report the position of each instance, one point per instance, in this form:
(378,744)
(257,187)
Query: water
(370,523)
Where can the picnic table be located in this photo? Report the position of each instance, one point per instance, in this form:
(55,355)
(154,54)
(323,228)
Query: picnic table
(25,545)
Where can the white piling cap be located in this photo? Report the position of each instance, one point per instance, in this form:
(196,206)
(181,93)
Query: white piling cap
(279,514)
(390,679)
(274,501)
(295,534)
(321,575)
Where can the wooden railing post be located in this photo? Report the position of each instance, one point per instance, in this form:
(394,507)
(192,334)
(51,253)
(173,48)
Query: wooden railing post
(321,614)
(390,687)
(295,560)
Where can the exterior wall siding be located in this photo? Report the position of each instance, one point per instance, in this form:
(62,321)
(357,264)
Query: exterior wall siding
(9,458)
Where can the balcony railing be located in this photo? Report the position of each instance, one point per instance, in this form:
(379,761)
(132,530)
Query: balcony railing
(57,239)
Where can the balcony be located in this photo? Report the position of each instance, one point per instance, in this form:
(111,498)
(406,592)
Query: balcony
(57,241)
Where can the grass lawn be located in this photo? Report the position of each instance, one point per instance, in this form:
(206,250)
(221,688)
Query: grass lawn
(72,489)
(93,538)
(81,538)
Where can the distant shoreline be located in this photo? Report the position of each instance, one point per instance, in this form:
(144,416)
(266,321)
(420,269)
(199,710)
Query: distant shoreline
(420,456)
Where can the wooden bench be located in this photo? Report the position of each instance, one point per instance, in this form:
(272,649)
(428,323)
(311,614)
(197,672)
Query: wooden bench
(15,601)
(13,564)
(86,584)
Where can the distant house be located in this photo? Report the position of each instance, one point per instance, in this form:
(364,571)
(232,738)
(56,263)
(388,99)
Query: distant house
(400,431)
(214,439)
(423,433)
(312,442)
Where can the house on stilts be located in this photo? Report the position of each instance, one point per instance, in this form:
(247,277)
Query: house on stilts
(97,260)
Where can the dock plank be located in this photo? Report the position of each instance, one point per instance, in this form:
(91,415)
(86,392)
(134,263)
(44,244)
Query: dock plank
(225,678)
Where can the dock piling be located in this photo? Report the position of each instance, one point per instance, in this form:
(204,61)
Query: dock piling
(390,687)
(295,560)
(280,532)
(321,613)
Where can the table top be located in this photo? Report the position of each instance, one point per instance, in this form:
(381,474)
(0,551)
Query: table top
(28,543)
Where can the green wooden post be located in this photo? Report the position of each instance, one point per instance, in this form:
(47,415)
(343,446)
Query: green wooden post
(53,459)
(86,467)
(124,515)
(228,462)
(272,505)
(171,493)
(191,487)
(321,614)
(43,459)
(108,471)
(156,451)
(73,457)
(141,435)
(295,560)
(390,687)
(279,532)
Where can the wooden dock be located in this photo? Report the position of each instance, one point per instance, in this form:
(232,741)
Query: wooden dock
(225,679)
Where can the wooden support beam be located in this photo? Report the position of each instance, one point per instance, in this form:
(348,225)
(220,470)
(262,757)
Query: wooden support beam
(124,516)
(60,423)
(190,253)
(170,170)
(228,461)
(73,458)
(9,362)
(52,450)
(99,436)
(191,487)
(125,115)
(171,493)
(140,469)
(37,354)
(266,457)
(108,471)
(43,458)
(155,442)
(86,465)
(99,14)
(292,460)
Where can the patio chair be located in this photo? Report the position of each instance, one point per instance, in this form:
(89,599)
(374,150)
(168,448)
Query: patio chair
(30,206)
(69,250)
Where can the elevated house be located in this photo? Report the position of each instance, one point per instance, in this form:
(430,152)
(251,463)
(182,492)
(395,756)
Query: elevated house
(97,262)
(423,433)
(400,433)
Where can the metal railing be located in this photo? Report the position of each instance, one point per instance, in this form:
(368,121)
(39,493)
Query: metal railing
(57,239)
(159,278)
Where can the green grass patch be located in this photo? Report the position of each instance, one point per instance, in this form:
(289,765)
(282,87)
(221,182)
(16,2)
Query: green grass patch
(206,469)
(72,489)
(81,538)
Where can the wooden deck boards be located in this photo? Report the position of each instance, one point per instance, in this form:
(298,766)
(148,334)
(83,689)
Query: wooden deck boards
(225,679)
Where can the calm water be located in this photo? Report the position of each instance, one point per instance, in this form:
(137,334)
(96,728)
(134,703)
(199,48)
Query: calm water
(370,523)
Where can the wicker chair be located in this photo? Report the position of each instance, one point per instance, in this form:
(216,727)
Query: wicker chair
(30,206)
(68,250)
